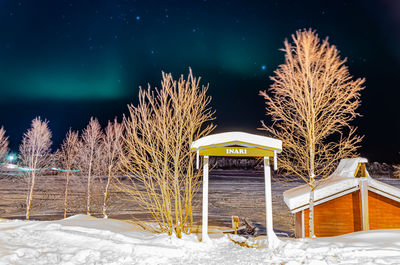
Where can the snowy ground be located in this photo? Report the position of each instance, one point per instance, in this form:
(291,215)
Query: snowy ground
(85,240)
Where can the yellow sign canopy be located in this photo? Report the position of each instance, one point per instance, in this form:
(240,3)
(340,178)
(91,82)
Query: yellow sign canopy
(239,144)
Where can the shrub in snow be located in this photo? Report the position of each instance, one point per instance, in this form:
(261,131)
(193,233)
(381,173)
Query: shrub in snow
(157,160)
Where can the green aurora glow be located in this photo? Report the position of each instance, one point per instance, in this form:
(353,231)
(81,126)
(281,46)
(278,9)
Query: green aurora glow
(66,85)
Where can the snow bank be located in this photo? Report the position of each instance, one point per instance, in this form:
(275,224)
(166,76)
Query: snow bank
(371,247)
(348,166)
(86,240)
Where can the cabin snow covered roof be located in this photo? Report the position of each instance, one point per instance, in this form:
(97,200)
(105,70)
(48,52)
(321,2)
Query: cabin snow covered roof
(341,182)
(237,138)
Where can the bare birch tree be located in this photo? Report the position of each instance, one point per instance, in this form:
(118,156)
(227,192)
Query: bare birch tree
(34,155)
(68,158)
(157,159)
(311,102)
(111,148)
(91,137)
(3,144)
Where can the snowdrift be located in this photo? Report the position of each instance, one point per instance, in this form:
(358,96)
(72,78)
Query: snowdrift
(86,240)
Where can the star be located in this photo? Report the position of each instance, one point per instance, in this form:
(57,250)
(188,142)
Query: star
(137,17)
(263,67)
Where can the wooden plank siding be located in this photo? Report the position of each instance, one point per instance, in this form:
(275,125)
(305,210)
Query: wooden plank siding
(343,215)
(336,217)
(298,225)
(384,213)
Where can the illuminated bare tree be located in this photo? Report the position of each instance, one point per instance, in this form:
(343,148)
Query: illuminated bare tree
(311,102)
(157,159)
(111,148)
(3,144)
(68,158)
(34,155)
(91,137)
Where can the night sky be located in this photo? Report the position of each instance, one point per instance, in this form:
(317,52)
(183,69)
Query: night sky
(69,60)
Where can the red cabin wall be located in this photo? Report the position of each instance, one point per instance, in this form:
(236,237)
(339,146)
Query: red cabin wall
(336,217)
(298,225)
(343,215)
(384,213)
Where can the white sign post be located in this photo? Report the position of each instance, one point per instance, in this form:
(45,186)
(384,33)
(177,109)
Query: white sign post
(239,144)
(204,231)
(273,240)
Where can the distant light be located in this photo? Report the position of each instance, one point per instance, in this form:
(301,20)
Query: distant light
(263,67)
(11,157)
(64,170)
(137,17)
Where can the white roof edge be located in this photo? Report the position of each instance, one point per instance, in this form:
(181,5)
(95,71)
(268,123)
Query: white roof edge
(229,137)
(338,184)
(384,189)
(345,192)
(331,186)
(375,186)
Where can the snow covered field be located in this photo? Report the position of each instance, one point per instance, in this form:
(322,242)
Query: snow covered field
(85,240)
(234,192)
(231,192)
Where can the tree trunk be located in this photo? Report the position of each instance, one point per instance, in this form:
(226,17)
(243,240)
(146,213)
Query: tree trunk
(312,186)
(29,204)
(177,209)
(106,193)
(88,188)
(311,212)
(66,196)
(190,201)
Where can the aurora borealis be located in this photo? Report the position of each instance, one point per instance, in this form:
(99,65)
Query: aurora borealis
(69,60)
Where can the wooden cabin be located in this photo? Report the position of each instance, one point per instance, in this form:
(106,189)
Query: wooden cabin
(347,201)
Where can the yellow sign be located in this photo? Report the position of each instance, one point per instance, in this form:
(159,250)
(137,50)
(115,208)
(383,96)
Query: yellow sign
(236,151)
